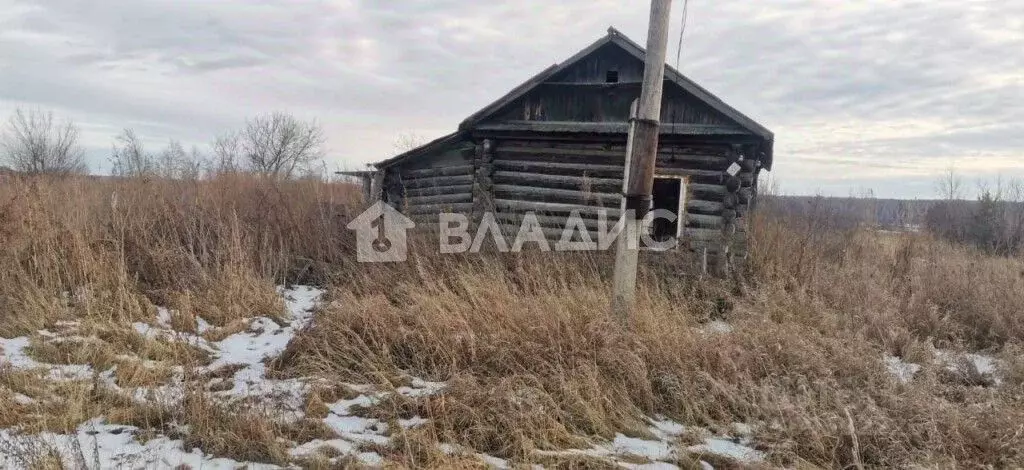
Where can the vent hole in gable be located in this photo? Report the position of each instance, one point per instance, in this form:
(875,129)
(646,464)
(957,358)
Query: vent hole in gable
(611,76)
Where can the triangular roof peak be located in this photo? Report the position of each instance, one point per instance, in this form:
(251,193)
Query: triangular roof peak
(616,37)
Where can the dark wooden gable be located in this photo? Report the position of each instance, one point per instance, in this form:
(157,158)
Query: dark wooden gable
(576,96)
(599,88)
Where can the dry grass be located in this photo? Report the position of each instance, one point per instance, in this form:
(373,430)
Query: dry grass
(533,360)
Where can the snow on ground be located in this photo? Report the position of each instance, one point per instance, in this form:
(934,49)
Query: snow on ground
(985,365)
(665,448)
(715,327)
(100,445)
(903,371)
(266,339)
(13,353)
(117,446)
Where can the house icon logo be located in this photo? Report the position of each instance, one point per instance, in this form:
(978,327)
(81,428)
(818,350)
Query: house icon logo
(381,234)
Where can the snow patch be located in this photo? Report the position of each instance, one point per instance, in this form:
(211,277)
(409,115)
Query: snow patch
(716,327)
(665,449)
(985,365)
(111,446)
(725,447)
(12,352)
(902,371)
(654,450)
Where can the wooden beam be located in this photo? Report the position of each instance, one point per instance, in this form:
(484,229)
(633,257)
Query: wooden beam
(548,220)
(703,206)
(438,190)
(463,207)
(549,193)
(559,180)
(438,181)
(706,188)
(439,199)
(551,207)
(557,151)
(439,171)
(703,220)
(524,165)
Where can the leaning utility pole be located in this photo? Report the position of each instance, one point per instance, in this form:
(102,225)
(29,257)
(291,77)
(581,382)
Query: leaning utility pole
(641,153)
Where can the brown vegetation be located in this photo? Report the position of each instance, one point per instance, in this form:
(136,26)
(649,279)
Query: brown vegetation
(533,360)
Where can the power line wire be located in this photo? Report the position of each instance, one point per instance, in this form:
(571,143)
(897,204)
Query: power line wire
(682,30)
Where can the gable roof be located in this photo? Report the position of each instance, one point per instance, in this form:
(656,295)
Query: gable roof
(617,38)
(434,145)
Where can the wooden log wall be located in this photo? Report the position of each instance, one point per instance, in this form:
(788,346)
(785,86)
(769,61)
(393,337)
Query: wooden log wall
(553,178)
(433,186)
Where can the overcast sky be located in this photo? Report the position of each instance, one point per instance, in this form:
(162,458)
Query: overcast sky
(867,94)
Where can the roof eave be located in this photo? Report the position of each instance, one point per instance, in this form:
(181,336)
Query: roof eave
(422,149)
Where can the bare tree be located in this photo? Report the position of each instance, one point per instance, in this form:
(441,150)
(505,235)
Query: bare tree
(34,143)
(175,163)
(277,144)
(129,157)
(226,154)
(950,185)
(407,141)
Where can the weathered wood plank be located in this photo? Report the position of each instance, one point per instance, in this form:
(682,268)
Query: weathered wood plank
(564,152)
(439,199)
(707,176)
(551,207)
(716,189)
(438,190)
(540,179)
(547,220)
(438,181)
(666,156)
(524,165)
(703,221)
(552,234)
(438,208)
(699,205)
(439,171)
(569,194)
(684,158)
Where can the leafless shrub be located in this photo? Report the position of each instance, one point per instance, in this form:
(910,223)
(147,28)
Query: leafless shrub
(407,141)
(34,143)
(176,163)
(277,144)
(993,223)
(129,158)
(226,154)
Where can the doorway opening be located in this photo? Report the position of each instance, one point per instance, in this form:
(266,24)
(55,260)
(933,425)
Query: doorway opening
(668,193)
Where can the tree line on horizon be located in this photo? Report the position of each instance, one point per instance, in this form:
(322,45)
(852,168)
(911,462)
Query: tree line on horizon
(277,144)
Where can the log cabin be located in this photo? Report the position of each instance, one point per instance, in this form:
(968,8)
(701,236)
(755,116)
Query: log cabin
(557,144)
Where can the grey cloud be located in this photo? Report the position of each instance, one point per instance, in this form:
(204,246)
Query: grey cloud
(370,69)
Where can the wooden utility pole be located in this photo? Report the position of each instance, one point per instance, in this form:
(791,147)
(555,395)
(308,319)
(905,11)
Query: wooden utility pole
(641,153)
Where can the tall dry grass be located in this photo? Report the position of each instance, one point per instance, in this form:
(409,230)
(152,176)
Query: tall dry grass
(536,362)
(533,358)
(107,249)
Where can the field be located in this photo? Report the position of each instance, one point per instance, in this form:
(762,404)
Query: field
(223,322)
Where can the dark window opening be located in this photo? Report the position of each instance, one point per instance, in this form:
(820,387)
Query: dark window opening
(666,194)
(611,76)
